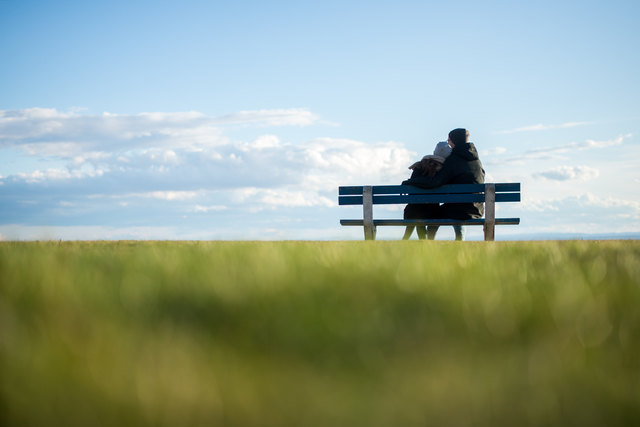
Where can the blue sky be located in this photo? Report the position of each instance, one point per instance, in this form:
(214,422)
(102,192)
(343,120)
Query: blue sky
(238,120)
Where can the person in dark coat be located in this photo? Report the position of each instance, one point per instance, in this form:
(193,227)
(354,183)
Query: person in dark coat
(462,166)
(429,165)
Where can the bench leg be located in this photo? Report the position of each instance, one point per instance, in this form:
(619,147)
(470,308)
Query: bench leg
(489,232)
(370,232)
(367,212)
(489,212)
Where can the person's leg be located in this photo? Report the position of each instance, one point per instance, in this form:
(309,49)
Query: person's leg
(433,211)
(431,231)
(408,231)
(411,211)
(459,230)
(422,232)
(416,211)
(455,211)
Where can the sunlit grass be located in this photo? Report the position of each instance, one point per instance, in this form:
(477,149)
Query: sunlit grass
(320,333)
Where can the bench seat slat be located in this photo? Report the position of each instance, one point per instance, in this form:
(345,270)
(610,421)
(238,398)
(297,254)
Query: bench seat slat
(405,222)
(451,188)
(428,198)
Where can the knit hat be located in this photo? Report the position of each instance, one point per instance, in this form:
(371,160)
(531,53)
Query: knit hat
(442,149)
(459,136)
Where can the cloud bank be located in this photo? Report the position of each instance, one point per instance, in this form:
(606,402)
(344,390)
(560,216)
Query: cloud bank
(142,169)
(558,152)
(565,173)
(585,213)
(540,127)
(188,175)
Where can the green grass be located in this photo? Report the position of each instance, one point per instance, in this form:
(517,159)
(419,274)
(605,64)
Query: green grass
(319,333)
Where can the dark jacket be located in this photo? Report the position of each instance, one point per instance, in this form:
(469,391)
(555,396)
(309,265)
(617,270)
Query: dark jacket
(463,166)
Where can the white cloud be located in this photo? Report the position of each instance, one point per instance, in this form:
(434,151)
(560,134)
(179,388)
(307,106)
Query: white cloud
(565,173)
(584,204)
(159,195)
(289,198)
(90,156)
(49,132)
(582,214)
(171,195)
(161,156)
(584,145)
(57,175)
(161,117)
(39,232)
(555,152)
(174,167)
(334,162)
(206,209)
(538,205)
(262,142)
(540,127)
(589,199)
(278,117)
(166,195)
(62,149)
(247,232)
(493,152)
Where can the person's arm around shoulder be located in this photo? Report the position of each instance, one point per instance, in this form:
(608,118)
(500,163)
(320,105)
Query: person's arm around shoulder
(423,181)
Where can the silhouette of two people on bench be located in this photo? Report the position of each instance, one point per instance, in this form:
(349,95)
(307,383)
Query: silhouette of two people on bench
(455,161)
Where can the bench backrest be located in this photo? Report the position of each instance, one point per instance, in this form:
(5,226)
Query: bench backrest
(452,193)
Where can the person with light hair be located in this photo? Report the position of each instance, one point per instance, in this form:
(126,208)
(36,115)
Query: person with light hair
(429,165)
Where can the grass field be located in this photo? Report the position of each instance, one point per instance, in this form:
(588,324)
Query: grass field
(319,333)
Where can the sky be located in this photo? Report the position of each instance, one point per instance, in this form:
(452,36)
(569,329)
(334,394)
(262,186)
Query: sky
(238,120)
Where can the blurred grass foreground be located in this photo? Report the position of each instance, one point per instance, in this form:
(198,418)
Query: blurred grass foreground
(319,333)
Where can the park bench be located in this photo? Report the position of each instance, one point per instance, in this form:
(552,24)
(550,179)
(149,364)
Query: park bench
(489,193)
